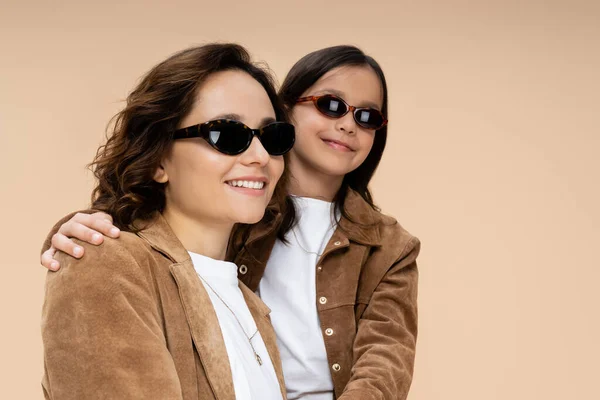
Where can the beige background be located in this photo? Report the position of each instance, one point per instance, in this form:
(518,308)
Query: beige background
(492,161)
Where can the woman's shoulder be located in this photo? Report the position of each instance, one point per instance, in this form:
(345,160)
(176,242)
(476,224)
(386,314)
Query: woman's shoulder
(114,281)
(128,257)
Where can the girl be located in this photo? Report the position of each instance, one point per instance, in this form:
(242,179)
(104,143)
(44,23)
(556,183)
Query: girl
(158,313)
(339,276)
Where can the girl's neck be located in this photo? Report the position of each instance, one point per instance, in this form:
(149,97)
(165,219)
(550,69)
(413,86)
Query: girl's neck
(309,182)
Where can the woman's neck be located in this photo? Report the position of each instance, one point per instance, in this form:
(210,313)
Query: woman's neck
(204,237)
(309,182)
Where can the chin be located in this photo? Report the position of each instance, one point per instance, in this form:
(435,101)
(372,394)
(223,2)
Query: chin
(250,217)
(336,169)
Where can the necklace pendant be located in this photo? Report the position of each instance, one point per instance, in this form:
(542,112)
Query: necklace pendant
(258,359)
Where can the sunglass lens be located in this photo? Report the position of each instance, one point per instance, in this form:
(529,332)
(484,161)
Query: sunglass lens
(278,138)
(228,137)
(368,118)
(331,106)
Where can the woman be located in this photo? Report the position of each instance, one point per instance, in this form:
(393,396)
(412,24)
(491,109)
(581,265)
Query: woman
(158,313)
(339,276)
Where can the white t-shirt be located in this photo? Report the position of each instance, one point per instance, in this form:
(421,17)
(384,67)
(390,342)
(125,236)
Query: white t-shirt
(288,287)
(251,381)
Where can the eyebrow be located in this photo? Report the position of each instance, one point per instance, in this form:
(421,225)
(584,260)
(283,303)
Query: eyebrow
(237,117)
(340,94)
(228,116)
(267,121)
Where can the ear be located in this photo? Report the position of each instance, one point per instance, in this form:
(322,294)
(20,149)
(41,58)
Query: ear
(160,175)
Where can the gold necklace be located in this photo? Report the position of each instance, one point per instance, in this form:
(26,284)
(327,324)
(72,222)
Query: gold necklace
(258,359)
(311,252)
(302,247)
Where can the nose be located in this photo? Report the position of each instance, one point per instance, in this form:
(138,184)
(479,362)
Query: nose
(255,154)
(347,124)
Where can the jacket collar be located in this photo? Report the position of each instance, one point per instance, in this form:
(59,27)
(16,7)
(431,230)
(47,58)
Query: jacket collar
(158,233)
(362,226)
(201,316)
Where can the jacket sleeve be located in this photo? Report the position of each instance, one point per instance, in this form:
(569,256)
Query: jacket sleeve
(102,330)
(384,347)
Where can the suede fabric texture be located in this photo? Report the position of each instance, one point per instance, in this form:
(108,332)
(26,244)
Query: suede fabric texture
(368,278)
(132,320)
(366,283)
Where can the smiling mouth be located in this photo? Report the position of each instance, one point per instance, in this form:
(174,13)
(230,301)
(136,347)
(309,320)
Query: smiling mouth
(256,185)
(337,145)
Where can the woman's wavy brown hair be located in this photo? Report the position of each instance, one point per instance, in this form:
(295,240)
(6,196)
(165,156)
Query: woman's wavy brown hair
(142,132)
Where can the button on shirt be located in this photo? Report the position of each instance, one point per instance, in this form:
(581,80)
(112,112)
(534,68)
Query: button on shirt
(288,287)
(251,381)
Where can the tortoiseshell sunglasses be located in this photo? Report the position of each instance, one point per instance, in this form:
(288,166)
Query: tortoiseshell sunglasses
(335,107)
(233,137)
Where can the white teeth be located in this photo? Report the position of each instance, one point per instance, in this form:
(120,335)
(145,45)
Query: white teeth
(247,184)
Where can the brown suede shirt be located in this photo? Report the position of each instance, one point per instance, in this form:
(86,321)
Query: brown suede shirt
(366,298)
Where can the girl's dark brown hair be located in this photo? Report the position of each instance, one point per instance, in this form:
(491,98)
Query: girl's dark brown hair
(305,73)
(143,131)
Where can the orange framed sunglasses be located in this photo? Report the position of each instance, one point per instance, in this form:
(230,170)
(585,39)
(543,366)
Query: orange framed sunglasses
(335,107)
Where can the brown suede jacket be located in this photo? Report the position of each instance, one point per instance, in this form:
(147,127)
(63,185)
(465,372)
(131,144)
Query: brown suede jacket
(132,320)
(366,298)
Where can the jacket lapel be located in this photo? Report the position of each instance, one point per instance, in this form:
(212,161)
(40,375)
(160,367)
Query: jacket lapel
(205,330)
(260,313)
(201,316)
(199,311)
